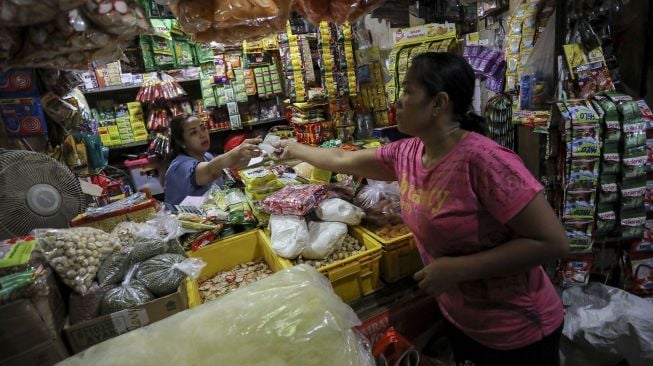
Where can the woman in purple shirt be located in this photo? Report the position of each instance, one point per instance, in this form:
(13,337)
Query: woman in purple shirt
(482,226)
(194,169)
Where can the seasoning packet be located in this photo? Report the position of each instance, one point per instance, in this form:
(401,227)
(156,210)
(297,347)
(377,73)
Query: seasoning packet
(579,233)
(632,224)
(632,195)
(634,165)
(579,205)
(583,174)
(606,219)
(609,190)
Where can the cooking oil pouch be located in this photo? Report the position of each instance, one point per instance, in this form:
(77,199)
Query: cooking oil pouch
(634,135)
(633,195)
(634,165)
(610,161)
(606,220)
(609,190)
(632,224)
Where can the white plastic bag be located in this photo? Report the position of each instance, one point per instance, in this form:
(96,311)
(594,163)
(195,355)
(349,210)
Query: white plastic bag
(292,318)
(324,239)
(289,235)
(604,325)
(339,210)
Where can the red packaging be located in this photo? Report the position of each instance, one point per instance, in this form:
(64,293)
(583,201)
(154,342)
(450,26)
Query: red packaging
(297,200)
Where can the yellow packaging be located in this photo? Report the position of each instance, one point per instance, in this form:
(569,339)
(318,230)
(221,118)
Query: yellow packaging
(256,177)
(512,62)
(528,40)
(513,45)
(320,176)
(511,82)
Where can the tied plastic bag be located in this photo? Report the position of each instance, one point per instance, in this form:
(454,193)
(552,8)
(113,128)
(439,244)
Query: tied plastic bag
(87,307)
(113,268)
(76,254)
(381,203)
(129,294)
(293,317)
(338,210)
(164,273)
(603,325)
(324,239)
(289,235)
(19,13)
(231,21)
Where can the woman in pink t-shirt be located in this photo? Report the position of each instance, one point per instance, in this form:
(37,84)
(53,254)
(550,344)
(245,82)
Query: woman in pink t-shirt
(482,226)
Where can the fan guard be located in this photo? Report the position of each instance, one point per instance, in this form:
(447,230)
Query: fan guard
(36,191)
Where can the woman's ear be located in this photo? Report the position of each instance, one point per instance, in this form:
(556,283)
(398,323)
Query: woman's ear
(440,103)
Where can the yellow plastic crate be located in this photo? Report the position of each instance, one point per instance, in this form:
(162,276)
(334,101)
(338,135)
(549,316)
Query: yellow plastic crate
(358,275)
(400,257)
(229,252)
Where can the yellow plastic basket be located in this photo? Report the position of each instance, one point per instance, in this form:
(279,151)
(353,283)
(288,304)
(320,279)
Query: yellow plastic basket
(358,275)
(400,257)
(227,253)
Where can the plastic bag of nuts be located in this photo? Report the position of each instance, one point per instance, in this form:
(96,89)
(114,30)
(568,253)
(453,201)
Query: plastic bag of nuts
(75,254)
(349,247)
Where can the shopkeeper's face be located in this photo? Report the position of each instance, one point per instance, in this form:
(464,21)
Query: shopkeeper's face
(196,136)
(414,108)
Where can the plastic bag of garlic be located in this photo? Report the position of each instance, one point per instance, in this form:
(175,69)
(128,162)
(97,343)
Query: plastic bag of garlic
(290,318)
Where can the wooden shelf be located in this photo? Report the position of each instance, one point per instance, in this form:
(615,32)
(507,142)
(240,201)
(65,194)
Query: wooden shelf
(127,87)
(126,146)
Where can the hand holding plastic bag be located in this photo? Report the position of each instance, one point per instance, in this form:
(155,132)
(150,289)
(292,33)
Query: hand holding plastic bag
(292,318)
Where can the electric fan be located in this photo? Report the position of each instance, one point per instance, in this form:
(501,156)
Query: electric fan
(36,191)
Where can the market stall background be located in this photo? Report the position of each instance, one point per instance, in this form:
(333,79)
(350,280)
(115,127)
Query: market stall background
(94,84)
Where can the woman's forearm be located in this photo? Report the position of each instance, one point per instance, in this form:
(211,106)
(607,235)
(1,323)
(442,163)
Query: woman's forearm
(327,159)
(208,172)
(513,257)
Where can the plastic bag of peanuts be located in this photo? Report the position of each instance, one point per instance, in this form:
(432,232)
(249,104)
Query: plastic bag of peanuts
(76,254)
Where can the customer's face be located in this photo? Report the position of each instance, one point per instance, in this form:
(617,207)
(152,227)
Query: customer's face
(196,136)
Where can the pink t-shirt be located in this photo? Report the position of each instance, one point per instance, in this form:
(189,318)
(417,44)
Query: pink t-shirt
(460,206)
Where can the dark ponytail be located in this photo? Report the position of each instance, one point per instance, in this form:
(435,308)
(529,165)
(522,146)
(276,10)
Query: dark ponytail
(449,73)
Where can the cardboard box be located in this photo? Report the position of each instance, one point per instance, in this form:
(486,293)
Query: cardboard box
(86,334)
(28,322)
(44,354)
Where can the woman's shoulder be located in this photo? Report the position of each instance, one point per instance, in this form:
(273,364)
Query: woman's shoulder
(479,147)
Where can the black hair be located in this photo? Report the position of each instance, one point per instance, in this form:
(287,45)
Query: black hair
(177,133)
(445,72)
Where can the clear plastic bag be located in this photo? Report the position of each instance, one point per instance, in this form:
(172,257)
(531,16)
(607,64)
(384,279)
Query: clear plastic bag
(324,239)
(229,22)
(86,307)
(19,254)
(122,18)
(164,273)
(19,13)
(338,210)
(289,235)
(129,294)
(24,284)
(76,254)
(292,318)
(381,203)
(113,268)
(337,11)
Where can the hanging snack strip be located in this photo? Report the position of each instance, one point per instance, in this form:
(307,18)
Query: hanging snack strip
(157,89)
(296,62)
(327,59)
(583,151)
(350,65)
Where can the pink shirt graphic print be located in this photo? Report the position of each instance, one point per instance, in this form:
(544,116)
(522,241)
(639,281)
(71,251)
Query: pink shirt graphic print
(461,206)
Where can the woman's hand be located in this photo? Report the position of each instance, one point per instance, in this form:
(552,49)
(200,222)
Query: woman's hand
(438,276)
(246,150)
(283,149)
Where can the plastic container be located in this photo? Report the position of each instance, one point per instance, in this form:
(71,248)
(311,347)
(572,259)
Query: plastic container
(227,253)
(400,257)
(358,275)
(145,175)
